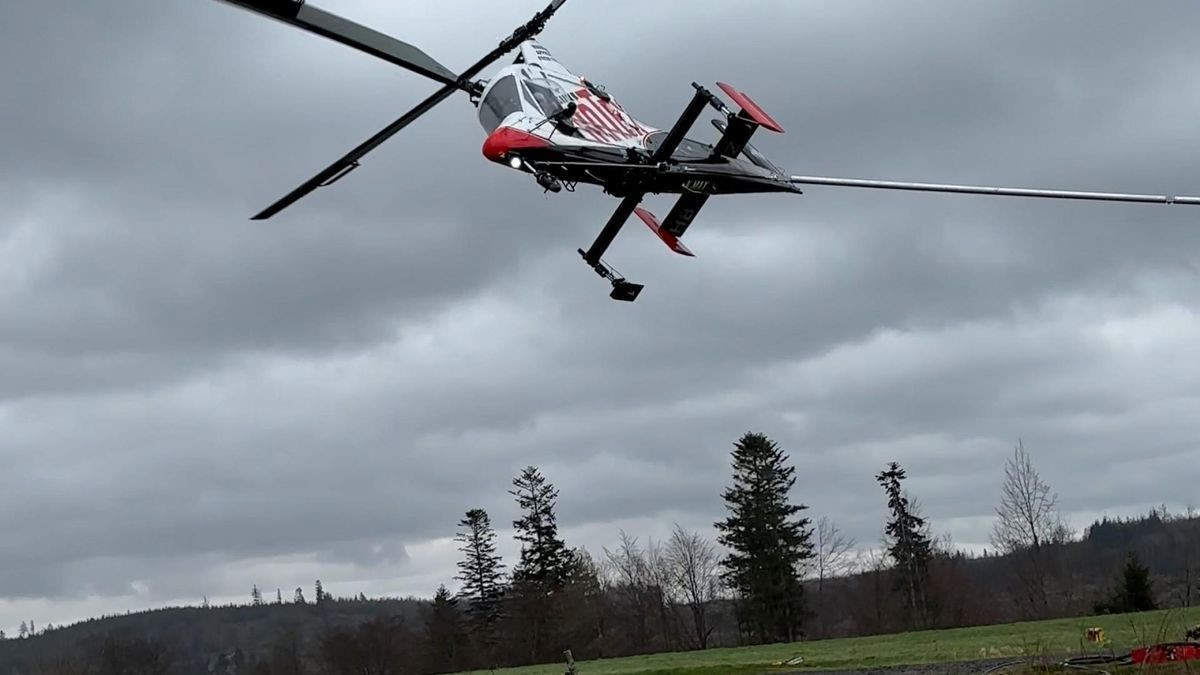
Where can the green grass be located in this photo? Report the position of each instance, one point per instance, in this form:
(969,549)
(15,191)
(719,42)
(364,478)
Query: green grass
(1055,637)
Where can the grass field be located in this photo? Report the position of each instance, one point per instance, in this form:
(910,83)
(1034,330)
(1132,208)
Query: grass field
(1056,637)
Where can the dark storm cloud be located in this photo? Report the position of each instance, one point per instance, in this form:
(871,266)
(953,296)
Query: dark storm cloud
(192,402)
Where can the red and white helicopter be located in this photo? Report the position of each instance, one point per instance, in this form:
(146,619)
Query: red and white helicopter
(564,130)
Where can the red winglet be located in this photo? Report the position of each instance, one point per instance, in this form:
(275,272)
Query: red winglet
(669,239)
(751,108)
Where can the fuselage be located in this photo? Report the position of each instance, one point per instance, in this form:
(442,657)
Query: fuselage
(526,110)
(522,96)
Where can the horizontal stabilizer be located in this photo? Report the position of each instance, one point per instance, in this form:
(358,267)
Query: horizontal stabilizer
(751,109)
(669,239)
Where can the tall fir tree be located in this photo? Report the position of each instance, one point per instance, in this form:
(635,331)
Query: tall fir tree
(541,574)
(908,545)
(544,556)
(256,596)
(481,572)
(767,539)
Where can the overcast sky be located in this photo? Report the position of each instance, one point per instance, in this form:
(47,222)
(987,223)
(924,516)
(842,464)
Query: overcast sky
(192,403)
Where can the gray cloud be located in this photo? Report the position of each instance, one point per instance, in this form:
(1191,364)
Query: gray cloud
(192,402)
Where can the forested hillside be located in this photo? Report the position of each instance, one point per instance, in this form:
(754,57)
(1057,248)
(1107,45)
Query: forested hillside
(192,639)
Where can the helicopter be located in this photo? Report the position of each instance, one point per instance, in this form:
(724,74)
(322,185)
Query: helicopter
(564,130)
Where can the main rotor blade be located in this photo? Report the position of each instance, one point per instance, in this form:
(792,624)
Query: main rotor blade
(987,190)
(336,171)
(334,27)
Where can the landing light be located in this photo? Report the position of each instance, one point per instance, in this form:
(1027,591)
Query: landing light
(515,161)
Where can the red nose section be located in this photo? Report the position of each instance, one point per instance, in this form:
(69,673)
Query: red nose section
(506,140)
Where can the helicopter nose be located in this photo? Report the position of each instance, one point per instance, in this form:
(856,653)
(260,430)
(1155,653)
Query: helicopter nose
(506,141)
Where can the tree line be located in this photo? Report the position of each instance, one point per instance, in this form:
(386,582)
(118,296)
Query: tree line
(772,574)
(752,585)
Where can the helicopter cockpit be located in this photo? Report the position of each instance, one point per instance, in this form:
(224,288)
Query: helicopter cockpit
(502,100)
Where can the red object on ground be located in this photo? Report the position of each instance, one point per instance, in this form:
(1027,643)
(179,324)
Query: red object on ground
(1171,652)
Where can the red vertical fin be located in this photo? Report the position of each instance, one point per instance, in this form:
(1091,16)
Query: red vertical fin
(669,239)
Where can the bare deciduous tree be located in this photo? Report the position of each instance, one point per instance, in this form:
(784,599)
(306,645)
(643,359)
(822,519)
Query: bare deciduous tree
(833,552)
(661,589)
(631,578)
(694,566)
(832,557)
(1027,526)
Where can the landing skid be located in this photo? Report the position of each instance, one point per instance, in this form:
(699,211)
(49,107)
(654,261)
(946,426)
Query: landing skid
(623,290)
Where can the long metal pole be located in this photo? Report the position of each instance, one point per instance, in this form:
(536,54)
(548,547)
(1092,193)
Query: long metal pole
(988,190)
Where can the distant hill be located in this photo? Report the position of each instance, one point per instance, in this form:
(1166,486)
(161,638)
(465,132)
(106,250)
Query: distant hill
(202,640)
(1168,545)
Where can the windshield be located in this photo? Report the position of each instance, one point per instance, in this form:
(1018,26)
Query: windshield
(544,98)
(501,101)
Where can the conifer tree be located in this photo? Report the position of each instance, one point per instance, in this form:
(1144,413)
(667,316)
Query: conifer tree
(1132,591)
(298,598)
(480,572)
(544,556)
(543,569)
(1139,595)
(443,633)
(767,539)
(908,545)
(256,596)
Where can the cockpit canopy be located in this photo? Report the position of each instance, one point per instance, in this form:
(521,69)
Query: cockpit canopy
(507,96)
(502,100)
(544,97)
